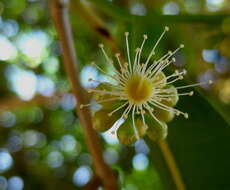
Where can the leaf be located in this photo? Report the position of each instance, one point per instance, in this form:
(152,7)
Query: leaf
(200,147)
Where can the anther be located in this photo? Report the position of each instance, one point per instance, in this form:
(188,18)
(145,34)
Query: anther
(137,49)
(177,113)
(81,106)
(125,116)
(170,52)
(109,114)
(167,28)
(101,45)
(210,82)
(181,77)
(126,33)
(191,93)
(174,59)
(142,112)
(186,115)
(117,54)
(182,46)
(145,36)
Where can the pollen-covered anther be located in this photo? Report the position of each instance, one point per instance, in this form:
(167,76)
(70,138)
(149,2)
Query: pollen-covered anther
(167,28)
(174,59)
(145,36)
(117,54)
(186,115)
(210,82)
(81,106)
(126,33)
(191,93)
(182,46)
(101,45)
(181,77)
(177,113)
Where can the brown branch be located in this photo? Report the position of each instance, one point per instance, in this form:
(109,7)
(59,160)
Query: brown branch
(59,11)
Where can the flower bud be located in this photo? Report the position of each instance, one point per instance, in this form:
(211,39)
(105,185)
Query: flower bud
(160,80)
(101,120)
(172,100)
(156,131)
(99,97)
(126,134)
(164,115)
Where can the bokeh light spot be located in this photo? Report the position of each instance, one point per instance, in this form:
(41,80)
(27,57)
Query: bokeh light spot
(3,183)
(55,159)
(7,49)
(171,8)
(15,183)
(6,161)
(82,176)
(140,161)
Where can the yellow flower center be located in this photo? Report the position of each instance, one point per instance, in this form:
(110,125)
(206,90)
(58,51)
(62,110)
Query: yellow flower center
(138,89)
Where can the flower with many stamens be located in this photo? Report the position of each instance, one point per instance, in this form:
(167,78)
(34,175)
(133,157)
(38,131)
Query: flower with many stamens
(141,95)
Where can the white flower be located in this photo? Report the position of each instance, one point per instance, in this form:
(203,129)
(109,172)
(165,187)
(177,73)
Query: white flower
(141,88)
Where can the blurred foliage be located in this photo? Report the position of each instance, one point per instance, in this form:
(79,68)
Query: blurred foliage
(42,143)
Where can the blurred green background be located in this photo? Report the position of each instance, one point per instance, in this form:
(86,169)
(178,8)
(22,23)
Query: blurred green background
(42,144)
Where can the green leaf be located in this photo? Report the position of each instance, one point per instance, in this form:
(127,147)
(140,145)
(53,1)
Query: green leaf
(200,147)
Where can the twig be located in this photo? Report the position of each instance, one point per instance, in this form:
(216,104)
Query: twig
(59,11)
(169,159)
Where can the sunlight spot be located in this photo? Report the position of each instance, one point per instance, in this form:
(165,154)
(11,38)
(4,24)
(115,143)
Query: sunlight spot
(45,86)
(82,176)
(23,82)
(55,159)
(171,8)
(7,119)
(3,183)
(7,49)
(210,55)
(6,160)
(140,161)
(15,183)
(138,9)
(33,44)
(89,72)
(215,5)
(68,143)
(110,156)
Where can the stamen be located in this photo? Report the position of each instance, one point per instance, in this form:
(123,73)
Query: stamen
(127,46)
(142,45)
(159,39)
(134,125)
(116,79)
(117,55)
(105,54)
(135,60)
(111,113)
(197,84)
